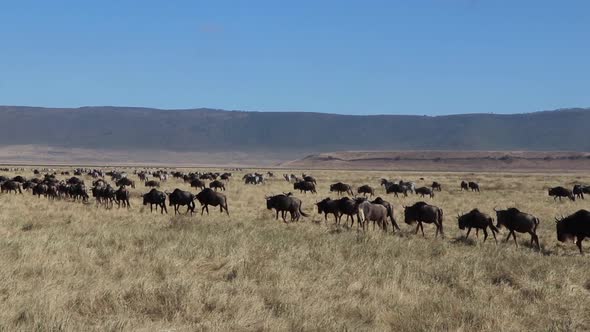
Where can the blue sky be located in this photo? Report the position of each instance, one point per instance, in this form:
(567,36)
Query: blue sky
(352,57)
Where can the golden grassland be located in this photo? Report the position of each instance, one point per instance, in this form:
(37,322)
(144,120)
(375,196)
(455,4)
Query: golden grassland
(75,267)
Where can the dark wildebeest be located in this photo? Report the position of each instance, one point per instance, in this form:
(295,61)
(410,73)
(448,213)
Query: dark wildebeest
(327,206)
(436,186)
(196,183)
(122,197)
(125,182)
(348,207)
(304,186)
(225,176)
(368,211)
(422,212)
(209,197)
(340,188)
(578,191)
(74,180)
(408,185)
(179,198)
(155,197)
(561,192)
(152,184)
(286,203)
(575,226)
(78,191)
(473,186)
(516,221)
(40,189)
(423,191)
(396,189)
(366,189)
(478,220)
(389,208)
(309,178)
(19,179)
(8,186)
(217,185)
(52,192)
(464,186)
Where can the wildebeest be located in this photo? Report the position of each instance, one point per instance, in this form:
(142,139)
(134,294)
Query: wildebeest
(473,186)
(217,185)
(368,211)
(408,185)
(348,207)
(340,188)
(253,179)
(366,189)
(575,226)
(578,191)
(436,186)
(78,191)
(152,184)
(10,185)
(464,186)
(155,197)
(122,197)
(327,206)
(209,197)
(389,208)
(304,186)
(309,178)
(40,189)
(286,203)
(516,221)
(196,183)
(478,220)
(421,212)
(19,178)
(125,182)
(423,191)
(179,198)
(396,189)
(561,192)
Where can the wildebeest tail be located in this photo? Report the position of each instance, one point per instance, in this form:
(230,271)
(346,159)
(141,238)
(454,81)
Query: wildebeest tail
(492,226)
(301,211)
(536,221)
(440,219)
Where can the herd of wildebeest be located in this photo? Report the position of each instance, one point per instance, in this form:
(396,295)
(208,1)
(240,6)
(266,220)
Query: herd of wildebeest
(380,212)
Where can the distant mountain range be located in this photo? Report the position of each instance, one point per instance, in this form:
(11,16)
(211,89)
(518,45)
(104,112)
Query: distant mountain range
(204,130)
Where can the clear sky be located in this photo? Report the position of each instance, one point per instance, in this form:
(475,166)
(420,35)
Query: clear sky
(353,57)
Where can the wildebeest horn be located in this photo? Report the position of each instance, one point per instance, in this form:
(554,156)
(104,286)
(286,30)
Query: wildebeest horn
(557,220)
(495,209)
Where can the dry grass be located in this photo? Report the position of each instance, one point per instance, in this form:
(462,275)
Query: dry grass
(75,267)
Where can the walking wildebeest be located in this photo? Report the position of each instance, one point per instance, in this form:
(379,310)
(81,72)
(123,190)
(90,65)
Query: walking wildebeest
(125,182)
(179,198)
(10,185)
(327,206)
(196,183)
(422,212)
(309,178)
(368,211)
(409,186)
(389,208)
(209,197)
(396,189)
(436,186)
(340,188)
(286,203)
(348,207)
(155,197)
(478,220)
(217,185)
(473,186)
(423,191)
(575,226)
(578,191)
(366,189)
(152,183)
(464,186)
(516,221)
(561,192)
(304,186)
(122,197)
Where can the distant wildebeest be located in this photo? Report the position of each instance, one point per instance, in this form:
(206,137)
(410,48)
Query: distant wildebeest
(40,189)
(122,197)
(225,176)
(179,198)
(125,182)
(408,185)
(10,185)
(74,180)
(348,207)
(574,227)
(286,204)
(196,183)
(209,197)
(253,179)
(366,189)
(423,191)
(157,198)
(464,186)
(396,189)
(436,186)
(478,220)
(516,221)
(578,191)
(368,211)
(309,178)
(152,184)
(389,208)
(304,186)
(78,192)
(561,192)
(217,185)
(340,188)
(20,179)
(328,206)
(473,186)
(421,212)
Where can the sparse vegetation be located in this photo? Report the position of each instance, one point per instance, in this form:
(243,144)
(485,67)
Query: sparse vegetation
(72,266)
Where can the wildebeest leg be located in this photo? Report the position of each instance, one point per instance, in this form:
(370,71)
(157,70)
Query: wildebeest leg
(514,237)
(277,216)
(164,208)
(204,206)
(468,230)
(508,237)
(494,234)
(485,235)
(536,238)
(579,244)
(417,228)
(207,208)
(422,229)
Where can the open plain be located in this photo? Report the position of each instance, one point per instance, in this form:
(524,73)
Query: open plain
(76,266)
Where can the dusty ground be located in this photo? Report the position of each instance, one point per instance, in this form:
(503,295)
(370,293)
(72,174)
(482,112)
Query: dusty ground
(75,267)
